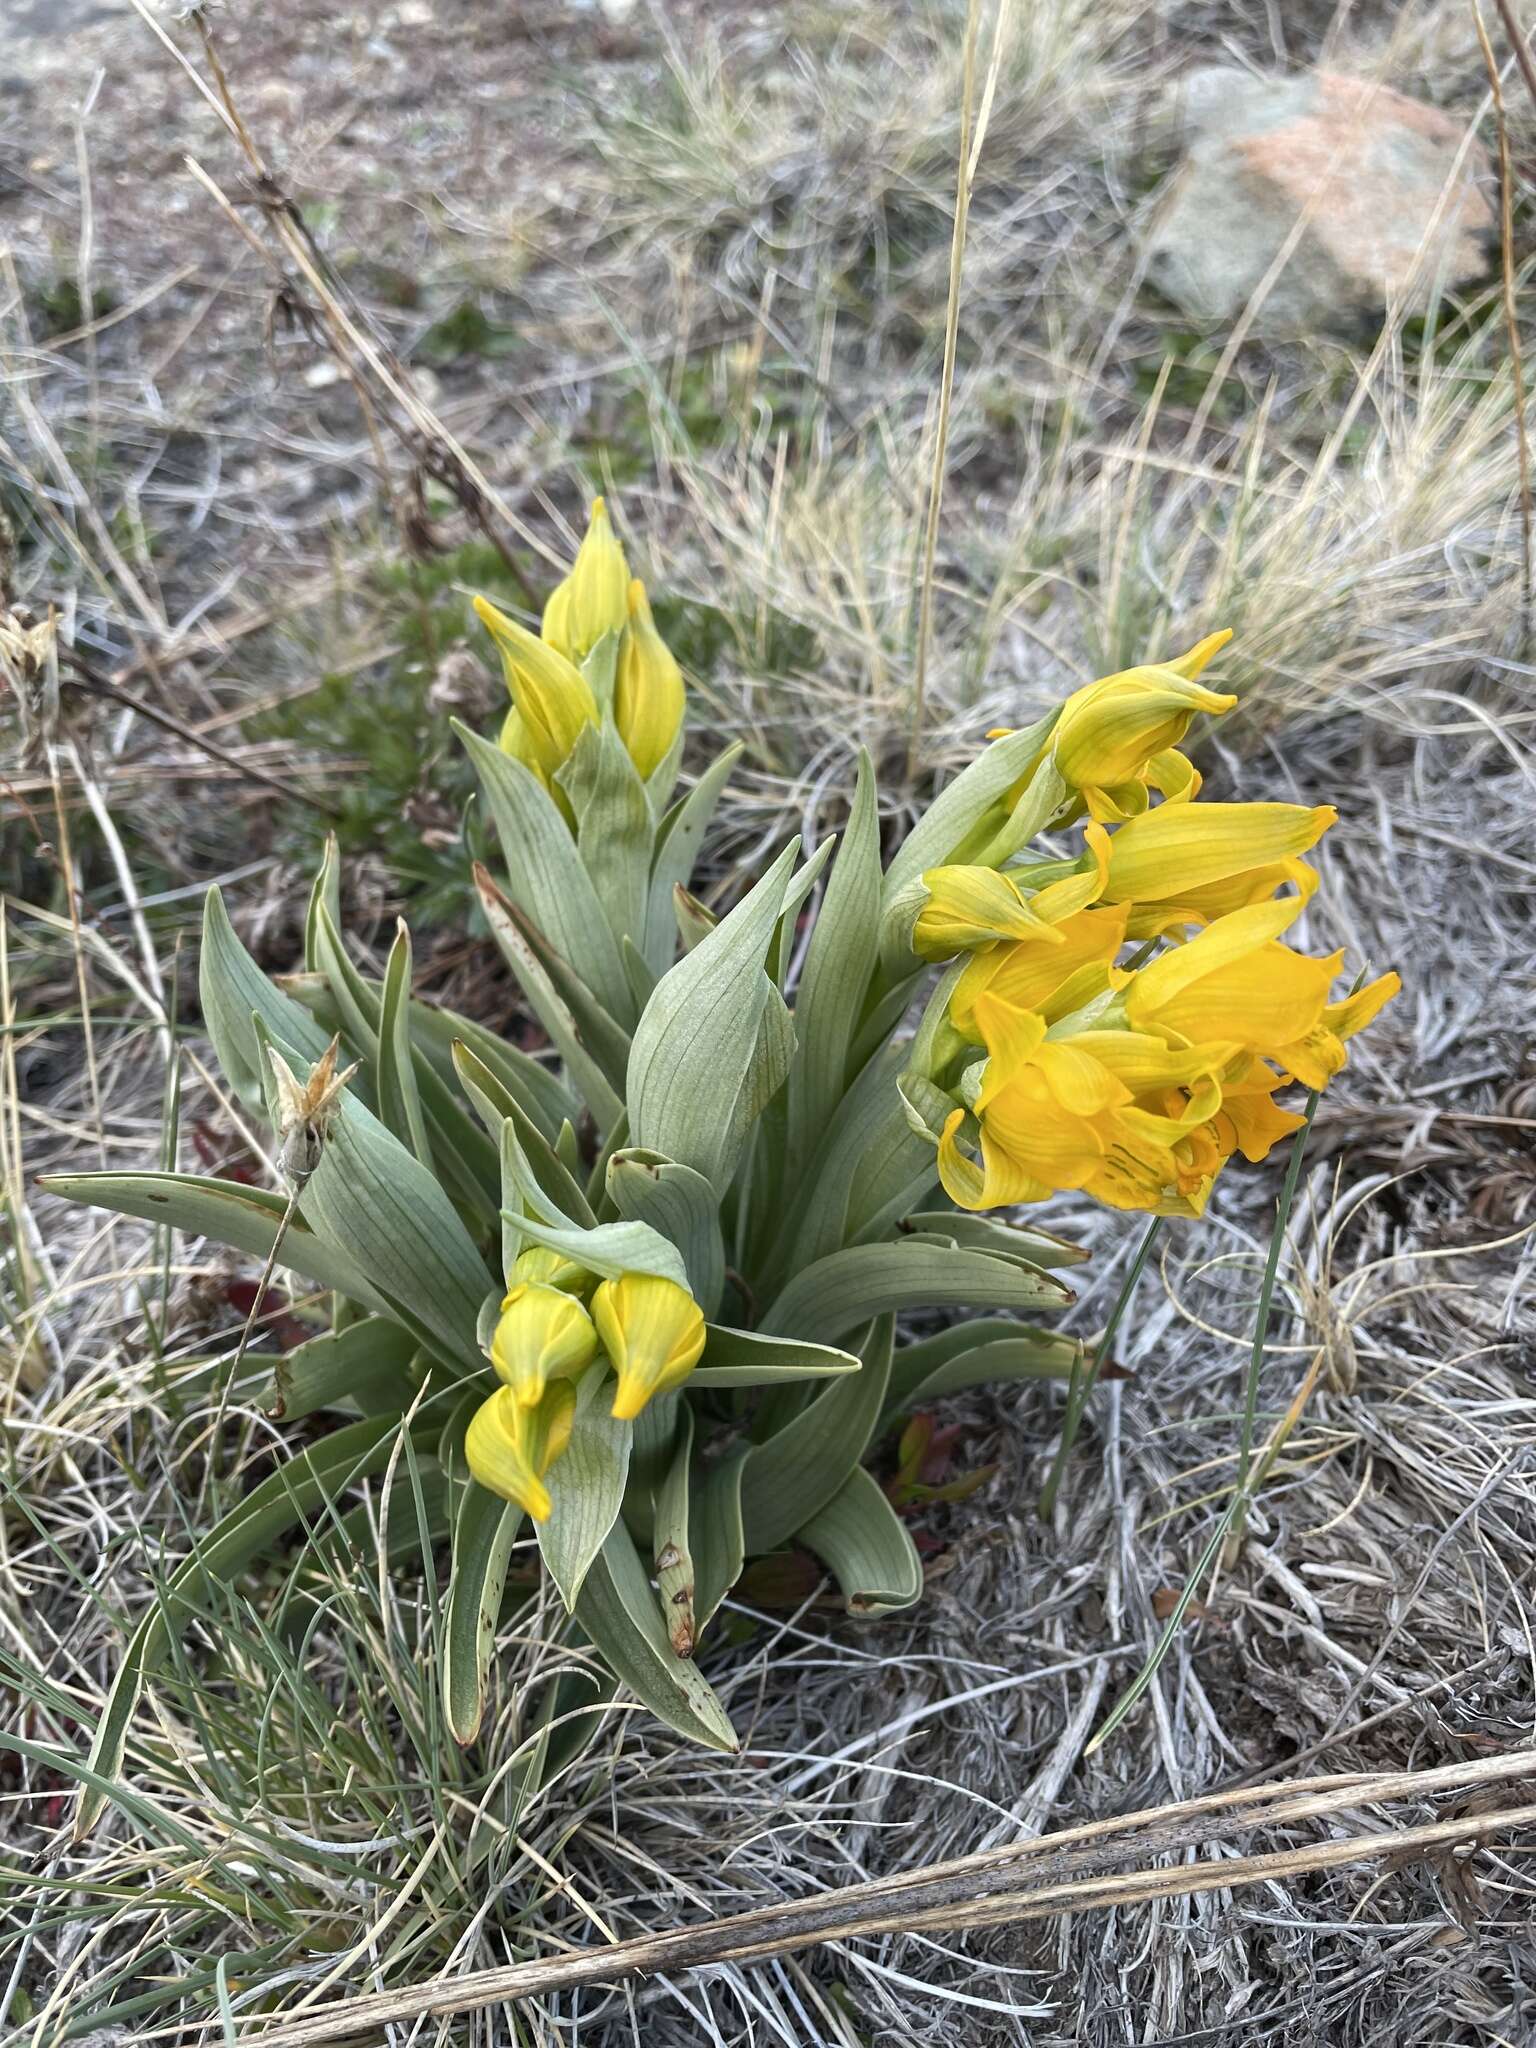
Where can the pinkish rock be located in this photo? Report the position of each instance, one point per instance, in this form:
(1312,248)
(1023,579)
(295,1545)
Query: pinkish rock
(1382,199)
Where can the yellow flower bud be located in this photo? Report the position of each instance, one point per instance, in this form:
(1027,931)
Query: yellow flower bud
(1109,731)
(509,1447)
(593,599)
(968,908)
(543,1335)
(648,695)
(551,695)
(653,1331)
(551,1269)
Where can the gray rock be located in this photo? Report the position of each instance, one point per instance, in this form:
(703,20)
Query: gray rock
(1362,197)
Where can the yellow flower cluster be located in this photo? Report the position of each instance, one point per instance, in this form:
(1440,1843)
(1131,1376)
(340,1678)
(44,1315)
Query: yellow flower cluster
(555,1321)
(557,691)
(1133,1082)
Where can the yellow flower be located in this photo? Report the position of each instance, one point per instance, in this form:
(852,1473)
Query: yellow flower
(510,1447)
(1204,904)
(592,600)
(1178,848)
(1051,979)
(972,907)
(1316,1056)
(1233,982)
(648,695)
(653,1331)
(543,1335)
(552,697)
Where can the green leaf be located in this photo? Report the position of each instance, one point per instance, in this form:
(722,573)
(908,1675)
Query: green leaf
(846,1288)
(748,1358)
(719,1542)
(233,989)
(378,1204)
(325,894)
(312,1479)
(614,829)
(682,1205)
(537,1089)
(671,1549)
(991,1234)
(399,1098)
(229,1212)
(367,1363)
(604,1101)
(484,1531)
(545,875)
(971,1354)
(714,1041)
(603,1036)
(835,983)
(789,1479)
(678,840)
(586,1488)
(618,1610)
(497,1105)
(865,1167)
(958,810)
(607,1249)
(860,1537)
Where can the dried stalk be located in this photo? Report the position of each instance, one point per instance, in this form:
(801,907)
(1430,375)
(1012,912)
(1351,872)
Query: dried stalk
(1066,1873)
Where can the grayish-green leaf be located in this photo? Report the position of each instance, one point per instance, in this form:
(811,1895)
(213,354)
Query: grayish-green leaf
(233,989)
(399,1098)
(586,1487)
(367,1363)
(788,1479)
(484,1531)
(671,1548)
(992,1234)
(841,958)
(678,839)
(682,1205)
(229,1212)
(546,878)
(862,1540)
(975,1353)
(844,1289)
(614,829)
(749,1358)
(714,1041)
(618,1610)
(497,1105)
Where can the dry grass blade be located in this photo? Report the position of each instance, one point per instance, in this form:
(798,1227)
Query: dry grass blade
(1067,1873)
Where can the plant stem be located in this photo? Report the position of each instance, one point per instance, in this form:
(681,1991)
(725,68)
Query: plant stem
(1238,1506)
(1084,1374)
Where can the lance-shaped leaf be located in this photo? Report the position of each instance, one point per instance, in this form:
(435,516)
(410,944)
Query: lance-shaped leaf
(461,1155)
(545,875)
(678,839)
(864,1543)
(718,1539)
(749,1358)
(672,1550)
(586,1487)
(305,1483)
(846,1288)
(536,1087)
(484,1531)
(233,991)
(399,1096)
(497,1105)
(974,1353)
(583,1066)
(379,1205)
(787,1480)
(607,1249)
(866,1162)
(682,1205)
(618,1610)
(833,988)
(992,1234)
(959,809)
(614,830)
(714,1043)
(367,1363)
(228,1212)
